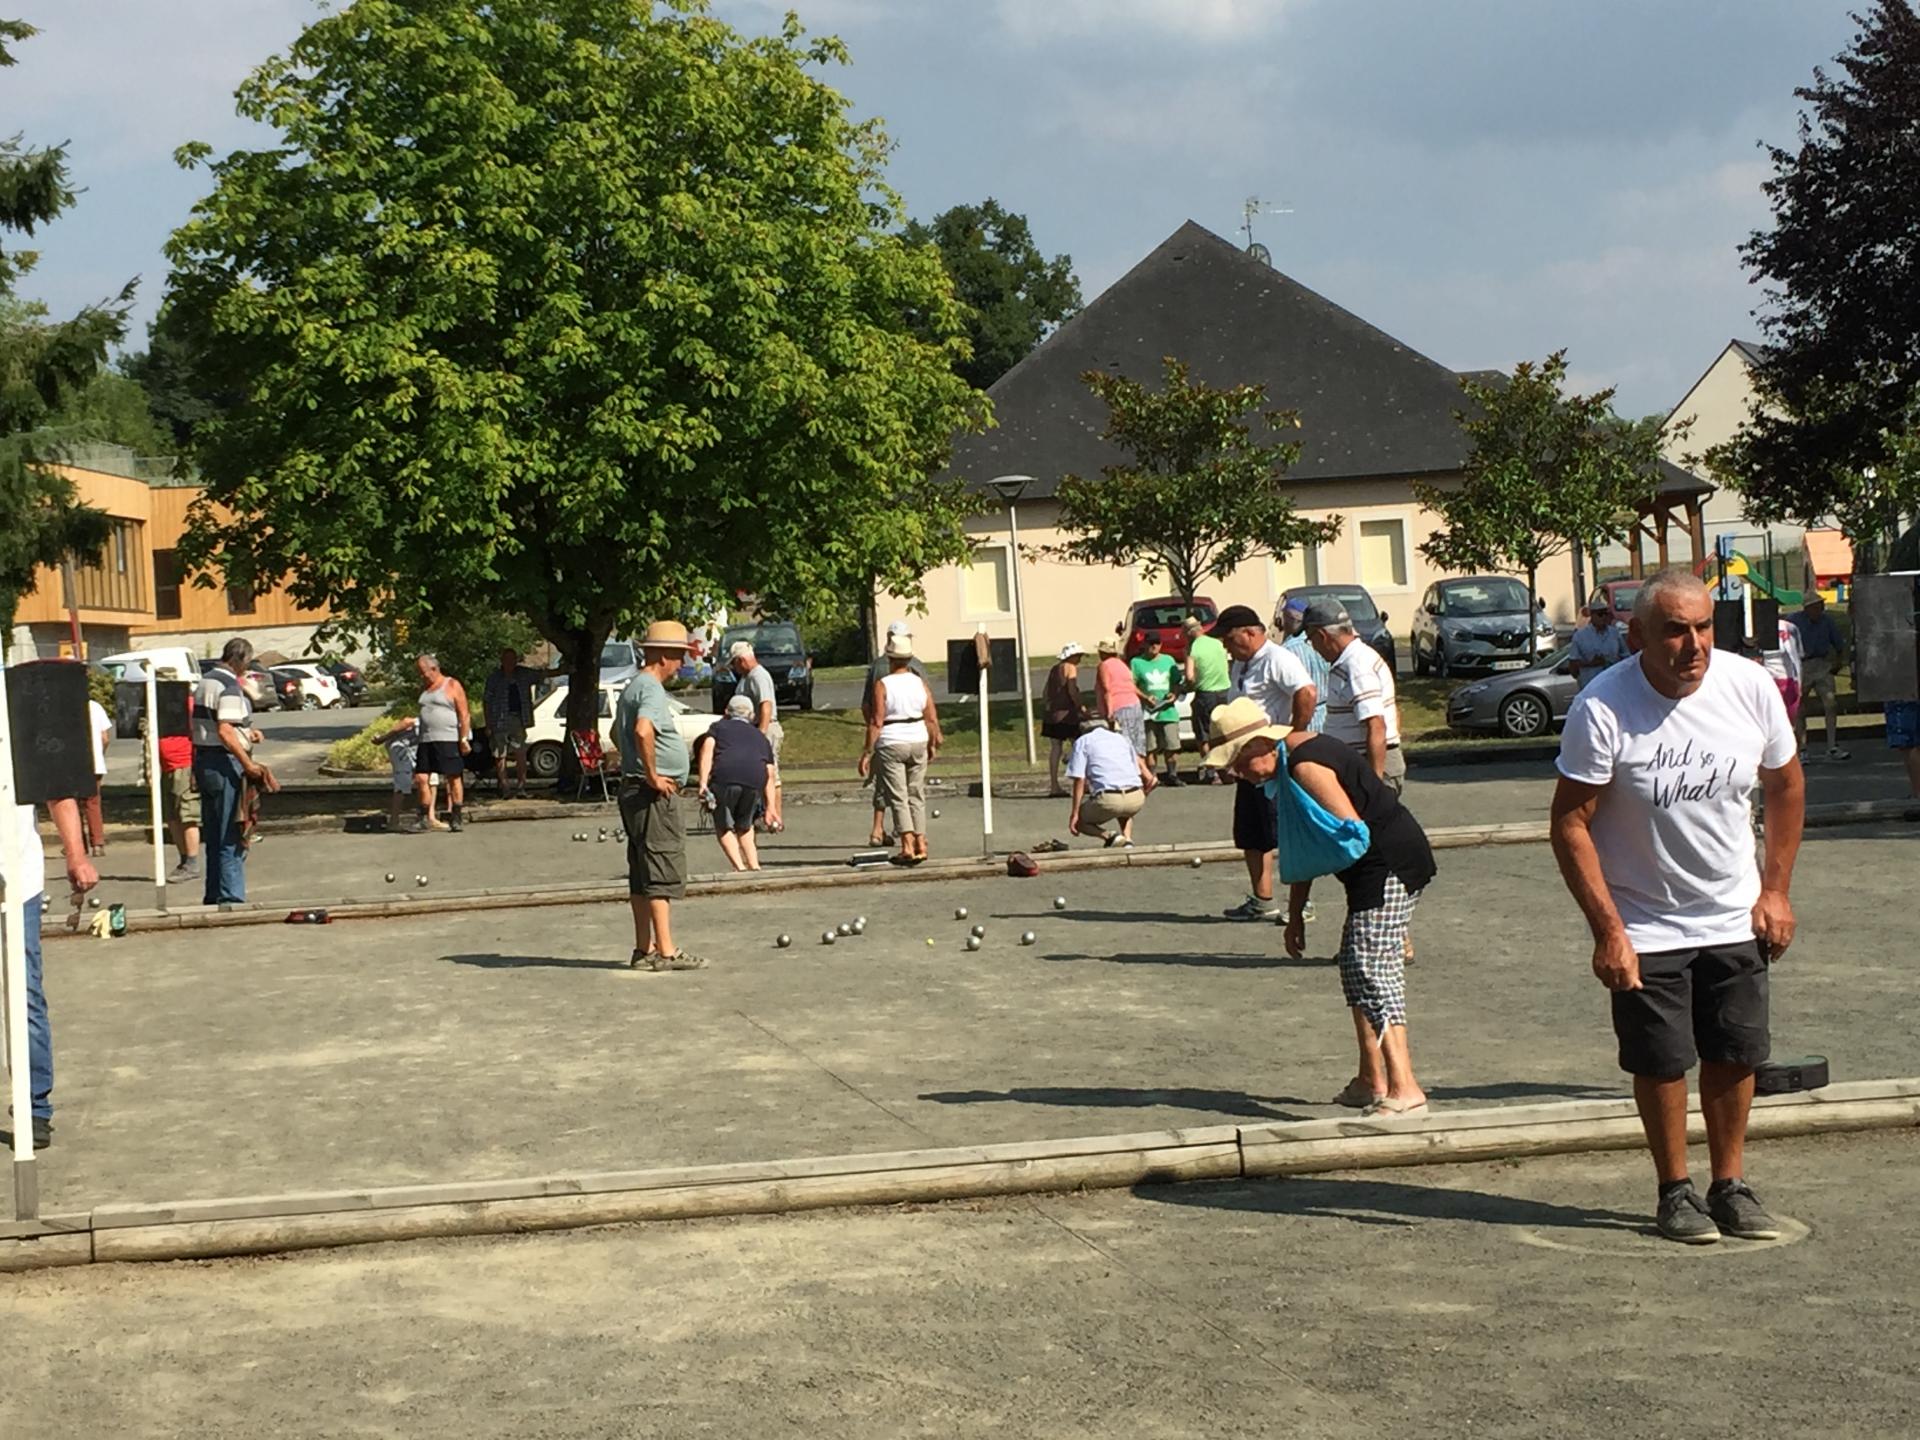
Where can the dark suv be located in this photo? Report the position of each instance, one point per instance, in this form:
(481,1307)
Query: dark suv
(1369,620)
(776,645)
(1166,616)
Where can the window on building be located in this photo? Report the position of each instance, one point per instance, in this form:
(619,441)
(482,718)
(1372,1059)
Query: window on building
(1301,567)
(1383,554)
(166,584)
(989,589)
(240,600)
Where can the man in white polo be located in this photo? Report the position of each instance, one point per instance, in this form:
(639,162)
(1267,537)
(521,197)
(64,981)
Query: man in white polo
(1652,827)
(1363,709)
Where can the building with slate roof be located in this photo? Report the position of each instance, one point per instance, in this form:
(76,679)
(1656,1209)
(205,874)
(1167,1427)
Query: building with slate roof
(1375,416)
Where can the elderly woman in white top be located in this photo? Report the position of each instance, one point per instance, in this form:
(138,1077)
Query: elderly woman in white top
(903,738)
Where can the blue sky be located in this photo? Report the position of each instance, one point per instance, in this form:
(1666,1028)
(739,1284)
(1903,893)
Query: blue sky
(1487,180)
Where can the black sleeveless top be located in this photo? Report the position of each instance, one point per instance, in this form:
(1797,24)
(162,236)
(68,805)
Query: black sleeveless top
(1399,845)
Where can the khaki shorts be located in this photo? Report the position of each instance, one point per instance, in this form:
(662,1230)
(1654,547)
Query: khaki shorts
(176,797)
(656,842)
(1111,805)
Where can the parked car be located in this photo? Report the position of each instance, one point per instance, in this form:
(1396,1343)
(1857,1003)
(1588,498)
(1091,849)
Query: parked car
(776,645)
(1527,703)
(352,683)
(619,662)
(1619,595)
(262,690)
(305,687)
(1479,623)
(547,745)
(1167,616)
(169,662)
(1369,620)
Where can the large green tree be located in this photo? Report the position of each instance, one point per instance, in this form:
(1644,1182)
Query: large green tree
(1202,490)
(1014,295)
(41,363)
(1841,267)
(582,309)
(1546,473)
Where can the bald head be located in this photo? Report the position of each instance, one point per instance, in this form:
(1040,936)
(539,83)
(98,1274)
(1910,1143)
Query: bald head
(1673,630)
(1665,589)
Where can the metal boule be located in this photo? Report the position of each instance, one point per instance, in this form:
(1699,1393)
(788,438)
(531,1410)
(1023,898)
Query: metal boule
(784,941)
(1027,937)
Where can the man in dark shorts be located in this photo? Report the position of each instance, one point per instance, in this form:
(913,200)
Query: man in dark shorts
(653,767)
(736,770)
(1652,829)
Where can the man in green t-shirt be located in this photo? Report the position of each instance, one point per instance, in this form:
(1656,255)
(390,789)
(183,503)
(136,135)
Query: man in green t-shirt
(653,767)
(1207,677)
(1154,677)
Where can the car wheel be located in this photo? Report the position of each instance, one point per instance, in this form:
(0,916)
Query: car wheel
(309,702)
(1420,666)
(544,760)
(1524,715)
(1440,659)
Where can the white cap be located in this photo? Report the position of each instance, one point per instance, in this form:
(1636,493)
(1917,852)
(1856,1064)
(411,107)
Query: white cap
(739,649)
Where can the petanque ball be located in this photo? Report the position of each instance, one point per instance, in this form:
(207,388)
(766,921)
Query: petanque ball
(389,877)
(936,814)
(846,927)
(859,922)
(973,942)
(1059,902)
(978,931)
(93,902)
(929,940)
(784,941)
(827,937)
(859,927)
(961,913)
(1027,937)
(1196,862)
(421,881)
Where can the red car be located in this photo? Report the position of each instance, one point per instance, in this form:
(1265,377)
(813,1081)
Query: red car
(1166,615)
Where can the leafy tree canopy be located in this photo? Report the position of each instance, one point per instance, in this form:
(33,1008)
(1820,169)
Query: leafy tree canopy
(175,381)
(1841,267)
(1201,493)
(1547,471)
(581,309)
(41,363)
(1014,295)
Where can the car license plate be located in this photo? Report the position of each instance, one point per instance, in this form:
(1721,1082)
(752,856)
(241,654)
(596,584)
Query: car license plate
(1509,664)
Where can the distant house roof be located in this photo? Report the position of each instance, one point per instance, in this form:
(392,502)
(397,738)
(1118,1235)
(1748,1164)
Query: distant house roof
(1369,405)
(1829,554)
(1752,350)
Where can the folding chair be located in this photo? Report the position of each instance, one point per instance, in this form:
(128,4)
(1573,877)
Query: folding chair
(593,762)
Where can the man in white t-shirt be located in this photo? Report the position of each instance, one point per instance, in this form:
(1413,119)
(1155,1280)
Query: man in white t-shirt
(1363,710)
(1597,645)
(1653,831)
(1275,677)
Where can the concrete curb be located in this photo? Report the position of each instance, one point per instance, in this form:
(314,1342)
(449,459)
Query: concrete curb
(255,1225)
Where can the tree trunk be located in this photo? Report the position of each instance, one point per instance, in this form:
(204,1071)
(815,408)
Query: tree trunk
(579,648)
(1533,607)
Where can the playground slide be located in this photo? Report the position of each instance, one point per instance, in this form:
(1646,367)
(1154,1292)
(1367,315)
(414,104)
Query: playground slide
(1739,565)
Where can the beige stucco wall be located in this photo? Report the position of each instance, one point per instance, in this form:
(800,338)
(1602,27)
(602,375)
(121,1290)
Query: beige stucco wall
(1083,603)
(1719,404)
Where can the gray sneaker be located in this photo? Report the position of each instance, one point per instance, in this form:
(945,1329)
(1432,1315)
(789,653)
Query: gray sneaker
(1737,1211)
(183,872)
(1252,908)
(685,960)
(1683,1216)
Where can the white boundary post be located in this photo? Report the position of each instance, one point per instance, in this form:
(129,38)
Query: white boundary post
(151,738)
(1020,633)
(13,934)
(982,650)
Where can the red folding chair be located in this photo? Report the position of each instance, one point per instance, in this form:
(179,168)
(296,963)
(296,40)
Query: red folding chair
(593,762)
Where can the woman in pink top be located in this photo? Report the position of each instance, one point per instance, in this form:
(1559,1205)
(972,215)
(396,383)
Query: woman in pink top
(1115,696)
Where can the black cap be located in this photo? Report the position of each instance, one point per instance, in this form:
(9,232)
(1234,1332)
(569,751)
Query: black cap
(1326,614)
(1150,637)
(1236,617)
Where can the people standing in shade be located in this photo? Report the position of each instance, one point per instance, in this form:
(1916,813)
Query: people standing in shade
(1210,678)
(1382,887)
(100,733)
(1117,698)
(879,667)
(1291,621)
(223,768)
(752,680)
(653,768)
(1111,782)
(30,880)
(1363,711)
(1155,676)
(443,725)
(176,801)
(736,771)
(1063,710)
(903,738)
(1823,654)
(507,698)
(1597,644)
(1653,833)
(1275,679)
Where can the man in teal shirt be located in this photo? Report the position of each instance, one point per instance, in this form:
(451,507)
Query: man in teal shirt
(1153,676)
(1208,678)
(653,767)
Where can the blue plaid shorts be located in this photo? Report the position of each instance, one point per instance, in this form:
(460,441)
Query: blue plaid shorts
(1373,964)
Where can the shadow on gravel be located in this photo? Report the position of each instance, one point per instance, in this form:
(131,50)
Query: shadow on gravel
(1100,1097)
(1212,961)
(1385,1202)
(1122,917)
(534,962)
(1527,1090)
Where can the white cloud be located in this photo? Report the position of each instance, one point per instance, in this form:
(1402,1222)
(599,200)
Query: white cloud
(1042,21)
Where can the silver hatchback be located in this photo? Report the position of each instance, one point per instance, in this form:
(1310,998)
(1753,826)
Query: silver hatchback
(1525,703)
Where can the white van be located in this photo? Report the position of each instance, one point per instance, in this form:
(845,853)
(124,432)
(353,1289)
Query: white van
(170,662)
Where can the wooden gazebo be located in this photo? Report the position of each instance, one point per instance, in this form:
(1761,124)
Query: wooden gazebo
(1679,498)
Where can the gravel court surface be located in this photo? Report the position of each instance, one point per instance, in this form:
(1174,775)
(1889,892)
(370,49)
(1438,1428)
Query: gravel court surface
(516,1043)
(1513,1301)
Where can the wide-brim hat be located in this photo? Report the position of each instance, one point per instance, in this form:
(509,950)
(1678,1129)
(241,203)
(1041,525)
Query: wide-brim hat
(666,635)
(1234,725)
(1071,649)
(1109,646)
(900,647)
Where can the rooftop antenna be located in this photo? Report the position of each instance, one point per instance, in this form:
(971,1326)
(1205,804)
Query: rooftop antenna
(1256,206)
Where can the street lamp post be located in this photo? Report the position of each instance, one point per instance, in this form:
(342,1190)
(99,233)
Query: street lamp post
(1010,488)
